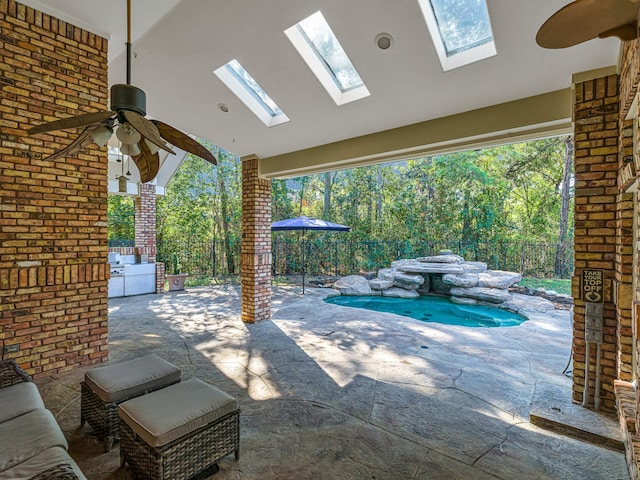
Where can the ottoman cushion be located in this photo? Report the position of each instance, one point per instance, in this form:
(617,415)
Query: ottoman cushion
(114,383)
(19,399)
(175,411)
(24,437)
(42,462)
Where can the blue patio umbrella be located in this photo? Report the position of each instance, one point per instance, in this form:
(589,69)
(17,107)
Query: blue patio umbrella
(304,224)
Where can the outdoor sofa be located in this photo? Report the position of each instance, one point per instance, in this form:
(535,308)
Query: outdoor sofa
(32,445)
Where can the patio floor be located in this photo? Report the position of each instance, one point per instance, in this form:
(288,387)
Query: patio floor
(339,393)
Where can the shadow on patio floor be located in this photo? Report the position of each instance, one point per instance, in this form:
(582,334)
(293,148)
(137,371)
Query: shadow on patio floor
(340,393)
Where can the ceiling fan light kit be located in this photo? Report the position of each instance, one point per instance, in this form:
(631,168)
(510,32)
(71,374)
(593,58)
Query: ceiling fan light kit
(140,137)
(132,150)
(101,135)
(128,135)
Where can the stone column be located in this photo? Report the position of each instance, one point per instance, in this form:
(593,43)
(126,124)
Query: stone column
(256,243)
(596,193)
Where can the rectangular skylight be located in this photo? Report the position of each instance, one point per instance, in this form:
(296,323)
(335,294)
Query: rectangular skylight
(321,50)
(240,82)
(460,29)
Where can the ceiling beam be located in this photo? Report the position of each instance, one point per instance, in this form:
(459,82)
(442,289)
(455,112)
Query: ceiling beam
(529,118)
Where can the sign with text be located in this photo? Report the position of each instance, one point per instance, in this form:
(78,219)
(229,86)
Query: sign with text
(593,285)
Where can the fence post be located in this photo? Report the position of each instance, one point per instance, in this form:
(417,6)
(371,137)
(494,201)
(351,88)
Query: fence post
(274,250)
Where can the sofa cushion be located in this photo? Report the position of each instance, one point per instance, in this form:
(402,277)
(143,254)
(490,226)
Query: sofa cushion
(48,459)
(19,399)
(26,436)
(117,382)
(173,412)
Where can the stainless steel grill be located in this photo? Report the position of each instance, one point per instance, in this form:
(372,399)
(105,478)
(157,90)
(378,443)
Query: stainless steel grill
(127,278)
(116,270)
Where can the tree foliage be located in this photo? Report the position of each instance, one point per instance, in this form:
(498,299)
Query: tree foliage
(120,214)
(501,194)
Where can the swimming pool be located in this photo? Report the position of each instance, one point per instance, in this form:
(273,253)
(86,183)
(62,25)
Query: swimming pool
(433,309)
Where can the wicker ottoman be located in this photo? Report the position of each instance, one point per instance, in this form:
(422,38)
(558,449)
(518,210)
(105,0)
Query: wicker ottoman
(179,432)
(104,388)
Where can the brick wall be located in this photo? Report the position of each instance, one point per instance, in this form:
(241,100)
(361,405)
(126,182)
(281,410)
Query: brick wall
(256,244)
(627,396)
(596,134)
(53,214)
(145,221)
(624,284)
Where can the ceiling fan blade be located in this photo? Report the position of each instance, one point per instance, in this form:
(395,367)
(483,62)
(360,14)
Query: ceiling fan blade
(147,129)
(148,163)
(625,32)
(78,121)
(79,143)
(584,20)
(181,140)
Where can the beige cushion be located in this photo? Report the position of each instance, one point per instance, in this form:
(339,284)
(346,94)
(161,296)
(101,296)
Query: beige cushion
(26,436)
(173,412)
(118,382)
(45,460)
(19,399)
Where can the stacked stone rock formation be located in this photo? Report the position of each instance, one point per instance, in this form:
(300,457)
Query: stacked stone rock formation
(469,283)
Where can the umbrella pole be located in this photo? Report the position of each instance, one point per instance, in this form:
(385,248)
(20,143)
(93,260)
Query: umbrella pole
(304,262)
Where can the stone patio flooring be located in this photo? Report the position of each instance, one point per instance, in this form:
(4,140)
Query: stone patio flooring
(330,392)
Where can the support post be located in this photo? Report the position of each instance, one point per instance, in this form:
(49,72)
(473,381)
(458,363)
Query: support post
(256,243)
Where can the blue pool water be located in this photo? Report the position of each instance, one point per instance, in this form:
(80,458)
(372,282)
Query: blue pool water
(434,309)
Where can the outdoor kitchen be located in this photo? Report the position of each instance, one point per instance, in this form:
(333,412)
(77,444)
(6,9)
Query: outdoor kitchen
(131,275)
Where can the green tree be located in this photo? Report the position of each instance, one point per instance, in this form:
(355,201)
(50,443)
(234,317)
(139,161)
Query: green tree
(121,218)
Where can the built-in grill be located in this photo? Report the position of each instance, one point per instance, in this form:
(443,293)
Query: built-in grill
(116,270)
(128,278)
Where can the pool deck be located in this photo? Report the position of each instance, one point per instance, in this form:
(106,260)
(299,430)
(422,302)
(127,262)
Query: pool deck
(342,393)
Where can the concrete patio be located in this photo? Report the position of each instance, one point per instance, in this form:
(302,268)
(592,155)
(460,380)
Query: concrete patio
(340,393)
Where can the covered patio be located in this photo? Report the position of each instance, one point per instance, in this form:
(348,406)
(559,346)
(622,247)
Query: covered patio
(60,61)
(335,392)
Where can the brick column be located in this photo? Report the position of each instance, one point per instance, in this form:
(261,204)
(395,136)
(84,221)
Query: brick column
(146,228)
(53,213)
(624,284)
(145,220)
(256,243)
(596,189)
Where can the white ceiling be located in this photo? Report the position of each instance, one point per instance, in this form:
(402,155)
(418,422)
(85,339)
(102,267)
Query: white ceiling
(178,43)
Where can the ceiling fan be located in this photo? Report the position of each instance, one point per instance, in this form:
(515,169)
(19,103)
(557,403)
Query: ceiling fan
(140,137)
(582,20)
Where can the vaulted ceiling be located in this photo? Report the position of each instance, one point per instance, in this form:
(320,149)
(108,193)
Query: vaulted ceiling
(178,44)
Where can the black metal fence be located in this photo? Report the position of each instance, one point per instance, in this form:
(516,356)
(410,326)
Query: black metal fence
(343,258)
(330,257)
(200,257)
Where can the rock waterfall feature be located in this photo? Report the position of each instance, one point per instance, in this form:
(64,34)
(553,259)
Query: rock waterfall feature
(468,283)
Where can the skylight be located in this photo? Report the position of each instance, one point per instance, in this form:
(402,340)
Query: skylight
(321,50)
(240,82)
(460,29)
